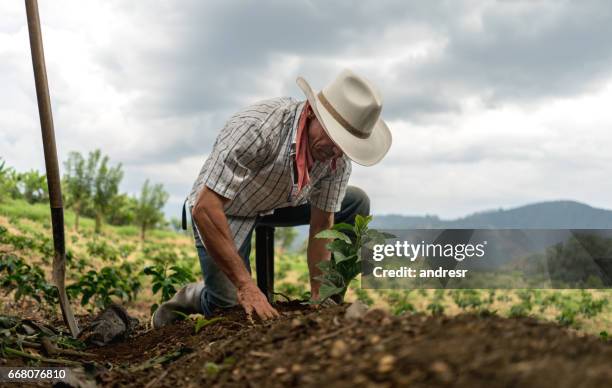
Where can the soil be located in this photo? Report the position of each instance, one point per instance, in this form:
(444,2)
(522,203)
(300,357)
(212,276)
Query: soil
(315,347)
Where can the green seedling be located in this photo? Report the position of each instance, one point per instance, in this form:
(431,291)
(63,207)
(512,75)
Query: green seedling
(201,322)
(345,264)
(166,279)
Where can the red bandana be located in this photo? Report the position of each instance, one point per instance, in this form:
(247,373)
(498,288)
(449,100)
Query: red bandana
(303,158)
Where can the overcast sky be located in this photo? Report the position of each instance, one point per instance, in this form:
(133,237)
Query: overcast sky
(491,104)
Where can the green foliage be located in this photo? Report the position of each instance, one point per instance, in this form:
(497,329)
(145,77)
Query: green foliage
(33,186)
(148,210)
(111,281)
(121,210)
(25,280)
(345,264)
(103,250)
(78,183)
(8,182)
(166,278)
(30,186)
(364,297)
(105,185)
(436,307)
(604,336)
(36,242)
(467,299)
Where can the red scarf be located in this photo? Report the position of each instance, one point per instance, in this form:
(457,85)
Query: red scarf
(303,157)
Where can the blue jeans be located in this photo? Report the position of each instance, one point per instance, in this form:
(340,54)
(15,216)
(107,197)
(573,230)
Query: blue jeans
(219,292)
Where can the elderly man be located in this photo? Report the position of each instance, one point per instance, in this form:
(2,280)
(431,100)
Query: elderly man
(279,162)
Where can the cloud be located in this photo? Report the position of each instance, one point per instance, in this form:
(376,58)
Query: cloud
(496,94)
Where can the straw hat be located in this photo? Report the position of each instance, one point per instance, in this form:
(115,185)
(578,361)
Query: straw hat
(349,111)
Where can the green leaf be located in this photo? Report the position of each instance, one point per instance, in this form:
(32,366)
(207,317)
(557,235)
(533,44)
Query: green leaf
(344,226)
(181,314)
(201,322)
(156,288)
(325,291)
(339,257)
(334,234)
(324,266)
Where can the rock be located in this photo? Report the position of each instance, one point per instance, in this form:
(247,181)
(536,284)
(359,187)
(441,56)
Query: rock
(356,310)
(442,371)
(295,323)
(375,315)
(374,339)
(111,324)
(338,349)
(386,363)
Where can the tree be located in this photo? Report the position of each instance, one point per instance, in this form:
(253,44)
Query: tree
(8,182)
(148,212)
(121,210)
(33,186)
(78,184)
(106,185)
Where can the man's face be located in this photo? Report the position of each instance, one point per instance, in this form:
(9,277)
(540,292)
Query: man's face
(322,148)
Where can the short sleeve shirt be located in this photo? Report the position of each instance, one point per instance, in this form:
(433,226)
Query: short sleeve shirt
(252,164)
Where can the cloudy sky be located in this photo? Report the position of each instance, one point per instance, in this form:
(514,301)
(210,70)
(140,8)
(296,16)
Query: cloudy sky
(491,104)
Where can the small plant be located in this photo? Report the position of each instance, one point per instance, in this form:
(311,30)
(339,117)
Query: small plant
(435,308)
(567,317)
(399,302)
(364,297)
(519,310)
(604,336)
(590,307)
(345,264)
(166,279)
(103,250)
(100,286)
(18,276)
(201,322)
(467,299)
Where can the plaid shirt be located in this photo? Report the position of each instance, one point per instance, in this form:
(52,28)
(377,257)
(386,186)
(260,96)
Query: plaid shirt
(253,164)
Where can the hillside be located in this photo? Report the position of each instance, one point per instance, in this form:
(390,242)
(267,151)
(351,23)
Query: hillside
(544,215)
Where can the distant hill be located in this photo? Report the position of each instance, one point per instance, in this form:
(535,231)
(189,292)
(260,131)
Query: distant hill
(544,215)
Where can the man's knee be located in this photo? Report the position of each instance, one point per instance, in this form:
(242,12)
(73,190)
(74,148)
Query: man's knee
(356,201)
(360,200)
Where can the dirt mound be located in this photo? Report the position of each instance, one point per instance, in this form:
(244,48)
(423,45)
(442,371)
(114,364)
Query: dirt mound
(311,348)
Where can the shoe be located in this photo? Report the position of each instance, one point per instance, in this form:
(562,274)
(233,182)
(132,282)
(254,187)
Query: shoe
(186,301)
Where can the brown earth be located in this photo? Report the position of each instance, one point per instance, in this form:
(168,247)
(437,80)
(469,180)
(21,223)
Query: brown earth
(309,347)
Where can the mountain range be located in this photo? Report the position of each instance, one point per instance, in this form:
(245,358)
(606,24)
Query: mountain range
(541,215)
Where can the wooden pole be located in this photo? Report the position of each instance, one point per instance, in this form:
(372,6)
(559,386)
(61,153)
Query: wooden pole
(51,164)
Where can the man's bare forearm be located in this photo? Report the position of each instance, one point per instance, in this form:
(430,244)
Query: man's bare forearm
(317,252)
(210,217)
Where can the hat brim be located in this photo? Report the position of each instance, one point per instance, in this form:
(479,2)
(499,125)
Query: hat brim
(366,152)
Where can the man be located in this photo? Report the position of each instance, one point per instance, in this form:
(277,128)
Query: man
(280,162)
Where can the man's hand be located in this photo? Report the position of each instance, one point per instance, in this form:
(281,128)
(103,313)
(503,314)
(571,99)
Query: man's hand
(252,299)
